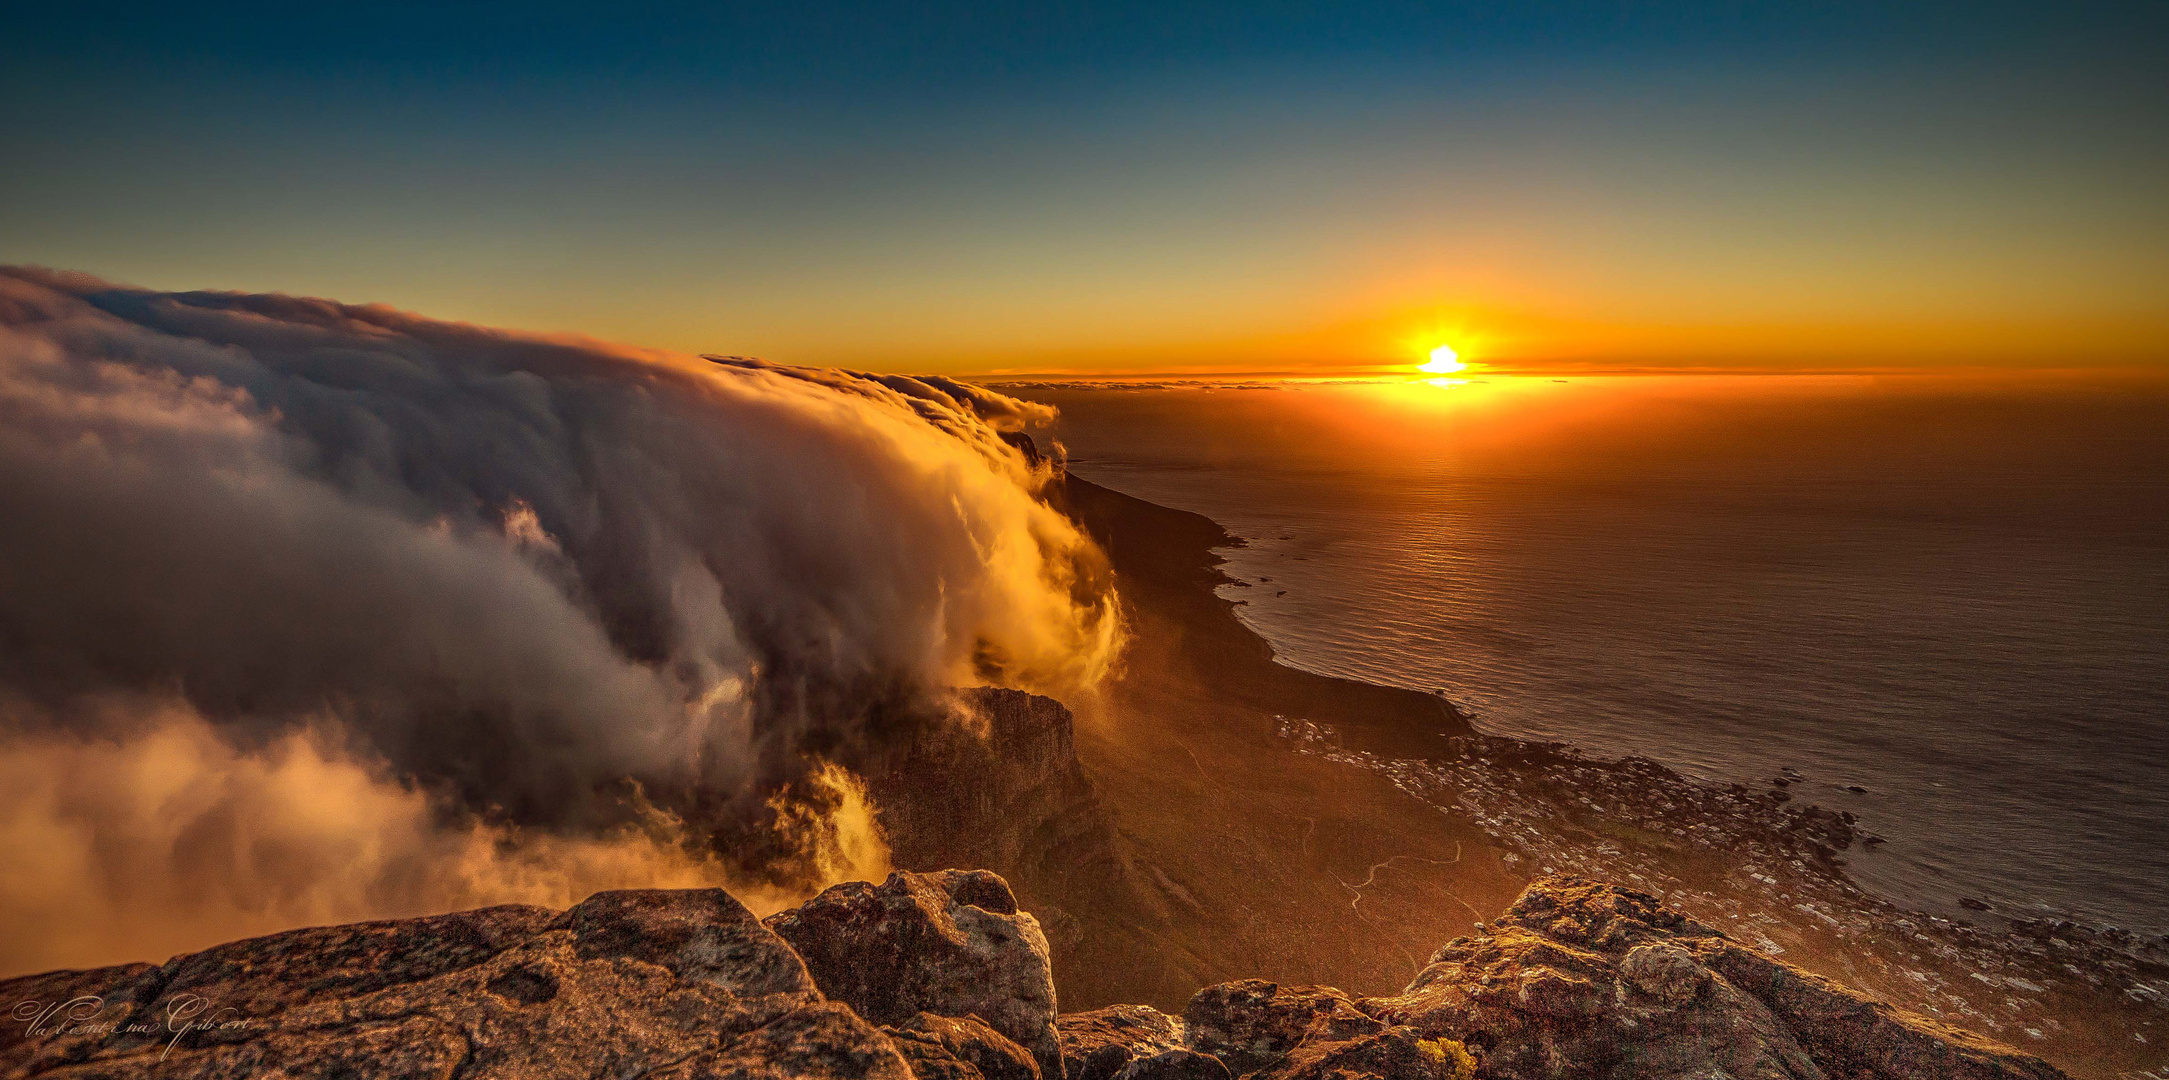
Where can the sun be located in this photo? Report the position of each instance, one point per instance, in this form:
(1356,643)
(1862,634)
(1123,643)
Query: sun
(1444,361)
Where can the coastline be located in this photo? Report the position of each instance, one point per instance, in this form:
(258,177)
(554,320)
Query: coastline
(1471,816)
(1178,842)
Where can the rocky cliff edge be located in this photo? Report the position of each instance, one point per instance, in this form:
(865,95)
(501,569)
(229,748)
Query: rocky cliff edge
(940,977)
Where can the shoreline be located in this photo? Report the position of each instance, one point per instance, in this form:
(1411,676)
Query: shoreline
(1875,827)
(1758,866)
(1955,903)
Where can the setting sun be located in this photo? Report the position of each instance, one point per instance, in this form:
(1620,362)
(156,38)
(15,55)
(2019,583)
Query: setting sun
(1444,361)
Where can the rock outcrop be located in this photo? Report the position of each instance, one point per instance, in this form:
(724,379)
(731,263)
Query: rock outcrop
(1603,981)
(997,786)
(665,983)
(950,943)
(940,977)
(953,1048)
(1132,1042)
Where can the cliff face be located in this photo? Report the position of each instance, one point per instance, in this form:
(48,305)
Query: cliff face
(941,977)
(1000,788)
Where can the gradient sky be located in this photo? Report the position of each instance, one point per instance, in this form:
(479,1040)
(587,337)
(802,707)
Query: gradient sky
(1247,186)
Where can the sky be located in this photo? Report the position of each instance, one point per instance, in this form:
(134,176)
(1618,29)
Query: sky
(1253,187)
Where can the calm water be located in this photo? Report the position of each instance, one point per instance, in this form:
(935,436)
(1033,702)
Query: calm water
(1955,596)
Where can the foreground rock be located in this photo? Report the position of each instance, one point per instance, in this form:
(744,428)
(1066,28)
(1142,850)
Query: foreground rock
(949,1048)
(1577,979)
(951,943)
(668,983)
(1596,980)
(998,785)
(1132,1042)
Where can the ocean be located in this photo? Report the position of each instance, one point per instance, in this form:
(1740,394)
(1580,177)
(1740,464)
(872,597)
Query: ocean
(1943,603)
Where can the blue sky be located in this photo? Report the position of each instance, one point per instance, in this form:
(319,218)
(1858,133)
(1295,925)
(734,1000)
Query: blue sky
(1017,187)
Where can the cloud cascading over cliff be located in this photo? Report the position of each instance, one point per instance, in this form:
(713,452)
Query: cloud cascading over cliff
(289,586)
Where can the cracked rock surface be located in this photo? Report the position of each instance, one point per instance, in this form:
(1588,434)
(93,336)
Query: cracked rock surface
(1586,979)
(683,983)
(950,943)
(940,977)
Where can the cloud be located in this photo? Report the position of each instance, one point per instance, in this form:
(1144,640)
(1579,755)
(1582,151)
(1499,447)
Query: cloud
(164,834)
(534,584)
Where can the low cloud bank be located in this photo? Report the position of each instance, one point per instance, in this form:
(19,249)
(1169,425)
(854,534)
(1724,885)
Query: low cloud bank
(311,611)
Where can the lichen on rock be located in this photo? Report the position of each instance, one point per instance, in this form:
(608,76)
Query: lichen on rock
(940,977)
(950,943)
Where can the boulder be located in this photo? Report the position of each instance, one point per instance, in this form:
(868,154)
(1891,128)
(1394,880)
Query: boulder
(1252,1024)
(1175,1065)
(623,983)
(1098,1045)
(950,943)
(1131,1042)
(947,1046)
(929,1059)
(1581,978)
(826,1041)
(1851,1034)
(1398,1052)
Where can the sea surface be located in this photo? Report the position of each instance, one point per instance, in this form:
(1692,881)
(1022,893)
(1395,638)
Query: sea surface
(1950,593)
